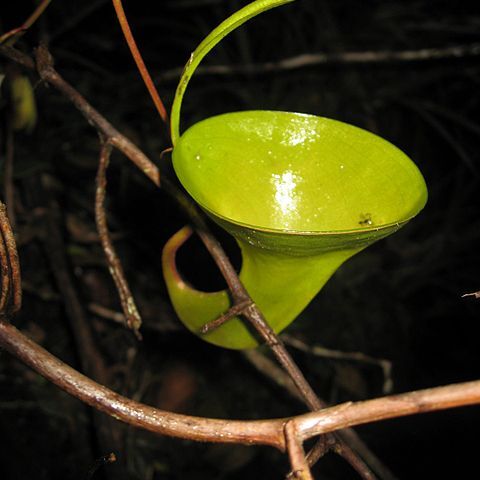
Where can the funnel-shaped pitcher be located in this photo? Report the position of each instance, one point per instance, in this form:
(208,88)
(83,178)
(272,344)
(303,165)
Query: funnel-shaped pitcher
(300,194)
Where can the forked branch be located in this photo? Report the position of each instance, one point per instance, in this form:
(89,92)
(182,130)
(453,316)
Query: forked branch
(258,432)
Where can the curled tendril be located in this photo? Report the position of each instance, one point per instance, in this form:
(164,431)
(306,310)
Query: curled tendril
(227,26)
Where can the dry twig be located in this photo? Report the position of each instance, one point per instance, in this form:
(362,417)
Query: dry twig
(11,294)
(14,34)
(133,319)
(300,468)
(473,294)
(323,352)
(319,59)
(157,101)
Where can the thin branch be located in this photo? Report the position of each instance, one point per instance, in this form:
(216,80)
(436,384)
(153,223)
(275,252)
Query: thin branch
(133,319)
(298,462)
(319,351)
(36,14)
(351,439)
(157,321)
(473,294)
(17,32)
(11,294)
(129,149)
(394,406)
(107,313)
(283,357)
(237,309)
(270,369)
(317,59)
(16,56)
(132,45)
(351,457)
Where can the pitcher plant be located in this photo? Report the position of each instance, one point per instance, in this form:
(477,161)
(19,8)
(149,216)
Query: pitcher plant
(299,193)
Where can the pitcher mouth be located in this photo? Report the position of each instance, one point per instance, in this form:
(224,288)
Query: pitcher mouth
(285,231)
(296,174)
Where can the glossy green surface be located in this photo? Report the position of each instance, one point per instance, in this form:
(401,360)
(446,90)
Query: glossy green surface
(302,173)
(281,285)
(301,194)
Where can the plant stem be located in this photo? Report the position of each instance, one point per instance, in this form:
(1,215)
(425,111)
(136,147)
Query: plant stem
(132,45)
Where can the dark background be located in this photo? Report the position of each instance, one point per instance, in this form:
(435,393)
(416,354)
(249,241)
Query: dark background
(400,300)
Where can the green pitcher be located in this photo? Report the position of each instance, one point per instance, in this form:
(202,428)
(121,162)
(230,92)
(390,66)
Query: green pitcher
(300,194)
